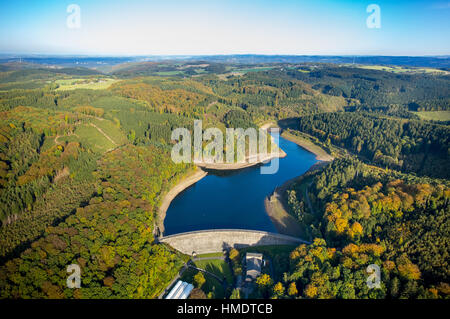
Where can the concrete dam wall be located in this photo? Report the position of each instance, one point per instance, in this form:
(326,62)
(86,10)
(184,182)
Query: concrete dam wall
(215,240)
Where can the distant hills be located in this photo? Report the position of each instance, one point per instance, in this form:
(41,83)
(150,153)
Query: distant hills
(105,63)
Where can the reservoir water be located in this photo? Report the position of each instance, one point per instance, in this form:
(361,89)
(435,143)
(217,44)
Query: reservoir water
(234,199)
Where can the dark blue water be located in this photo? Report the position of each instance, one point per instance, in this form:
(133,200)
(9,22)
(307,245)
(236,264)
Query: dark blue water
(234,199)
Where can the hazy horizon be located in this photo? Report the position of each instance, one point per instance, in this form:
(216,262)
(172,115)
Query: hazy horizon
(22,54)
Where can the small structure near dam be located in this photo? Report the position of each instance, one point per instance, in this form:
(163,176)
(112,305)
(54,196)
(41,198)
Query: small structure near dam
(215,240)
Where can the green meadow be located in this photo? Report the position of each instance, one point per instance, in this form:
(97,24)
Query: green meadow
(92,84)
(434,115)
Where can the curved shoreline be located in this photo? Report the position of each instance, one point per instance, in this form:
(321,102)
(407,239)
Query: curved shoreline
(187,181)
(198,174)
(321,154)
(233,166)
(276,205)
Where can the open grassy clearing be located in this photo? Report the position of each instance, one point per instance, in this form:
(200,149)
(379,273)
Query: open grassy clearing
(212,285)
(96,135)
(400,69)
(434,115)
(92,138)
(93,84)
(218,267)
(218,254)
(111,129)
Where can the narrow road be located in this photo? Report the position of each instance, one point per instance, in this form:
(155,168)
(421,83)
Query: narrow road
(180,273)
(209,258)
(97,128)
(104,134)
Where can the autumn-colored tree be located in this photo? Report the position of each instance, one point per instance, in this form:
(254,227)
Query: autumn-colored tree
(264,282)
(278,289)
(89,110)
(235,294)
(355,230)
(311,291)
(197,293)
(233,254)
(298,252)
(199,279)
(292,290)
(407,269)
(108,281)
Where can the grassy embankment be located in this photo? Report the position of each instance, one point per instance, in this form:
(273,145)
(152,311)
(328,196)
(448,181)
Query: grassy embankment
(304,141)
(212,286)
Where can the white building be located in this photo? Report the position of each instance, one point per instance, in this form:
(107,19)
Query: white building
(181,290)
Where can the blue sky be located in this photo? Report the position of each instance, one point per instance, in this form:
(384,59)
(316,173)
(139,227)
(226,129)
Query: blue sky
(137,27)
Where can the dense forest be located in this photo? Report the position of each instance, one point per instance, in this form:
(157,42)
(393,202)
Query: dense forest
(111,238)
(407,145)
(378,88)
(85,162)
(361,215)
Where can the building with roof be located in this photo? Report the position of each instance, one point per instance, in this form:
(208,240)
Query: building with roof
(253,262)
(181,290)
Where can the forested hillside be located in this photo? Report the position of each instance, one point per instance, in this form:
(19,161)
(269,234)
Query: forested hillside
(408,145)
(85,162)
(378,88)
(365,215)
(110,238)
